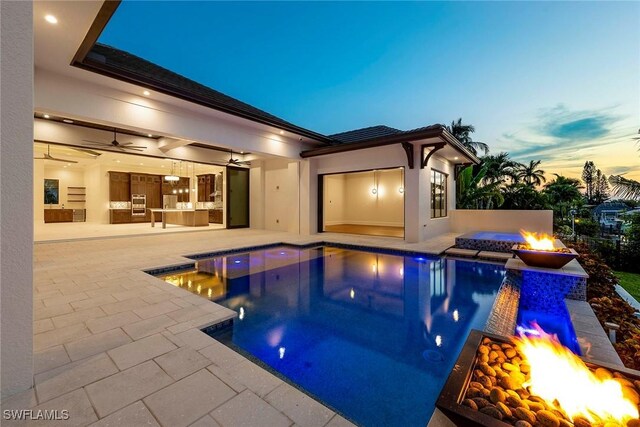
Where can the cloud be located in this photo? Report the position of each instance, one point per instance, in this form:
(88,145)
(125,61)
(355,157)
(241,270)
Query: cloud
(559,133)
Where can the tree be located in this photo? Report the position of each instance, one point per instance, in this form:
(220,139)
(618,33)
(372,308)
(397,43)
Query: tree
(601,190)
(472,194)
(530,174)
(625,188)
(563,194)
(463,133)
(523,196)
(499,168)
(589,179)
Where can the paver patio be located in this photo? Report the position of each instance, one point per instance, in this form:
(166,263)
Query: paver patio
(116,346)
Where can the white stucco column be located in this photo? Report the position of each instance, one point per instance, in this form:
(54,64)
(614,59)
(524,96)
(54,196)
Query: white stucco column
(415,193)
(308,197)
(16,196)
(256,194)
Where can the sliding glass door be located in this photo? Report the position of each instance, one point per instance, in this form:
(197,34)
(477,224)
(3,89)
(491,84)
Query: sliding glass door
(237,197)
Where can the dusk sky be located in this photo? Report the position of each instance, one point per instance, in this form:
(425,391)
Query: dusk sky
(559,82)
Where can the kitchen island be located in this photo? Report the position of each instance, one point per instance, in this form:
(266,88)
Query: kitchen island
(187,217)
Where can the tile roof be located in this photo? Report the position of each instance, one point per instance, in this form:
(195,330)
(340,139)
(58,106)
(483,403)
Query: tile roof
(152,74)
(363,134)
(374,132)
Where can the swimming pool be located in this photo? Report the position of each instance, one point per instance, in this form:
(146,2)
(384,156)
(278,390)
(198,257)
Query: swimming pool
(371,335)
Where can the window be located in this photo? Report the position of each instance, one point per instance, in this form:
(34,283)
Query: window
(438,194)
(51,192)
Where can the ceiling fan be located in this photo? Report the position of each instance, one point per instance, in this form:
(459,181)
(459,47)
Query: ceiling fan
(237,162)
(120,146)
(48,156)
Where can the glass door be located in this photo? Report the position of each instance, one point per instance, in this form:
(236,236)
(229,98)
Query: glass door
(237,197)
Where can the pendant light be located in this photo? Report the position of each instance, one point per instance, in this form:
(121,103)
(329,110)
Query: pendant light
(172,178)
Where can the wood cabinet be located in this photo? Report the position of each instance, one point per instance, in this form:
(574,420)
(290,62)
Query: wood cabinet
(153,191)
(207,187)
(119,216)
(138,183)
(58,215)
(215,216)
(119,187)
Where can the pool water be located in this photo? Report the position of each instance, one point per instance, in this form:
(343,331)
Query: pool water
(371,335)
(494,235)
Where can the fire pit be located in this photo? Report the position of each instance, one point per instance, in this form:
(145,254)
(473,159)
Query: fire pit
(540,251)
(534,381)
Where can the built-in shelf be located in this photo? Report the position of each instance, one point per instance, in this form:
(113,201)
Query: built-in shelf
(76,194)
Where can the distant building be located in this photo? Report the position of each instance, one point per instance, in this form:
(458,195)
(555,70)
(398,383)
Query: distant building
(608,213)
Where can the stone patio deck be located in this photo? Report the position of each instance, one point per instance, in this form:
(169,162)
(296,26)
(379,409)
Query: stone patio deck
(115,346)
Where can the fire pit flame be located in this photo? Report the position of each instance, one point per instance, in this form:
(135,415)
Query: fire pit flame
(542,242)
(562,379)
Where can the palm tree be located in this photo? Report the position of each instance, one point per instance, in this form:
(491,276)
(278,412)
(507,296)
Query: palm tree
(530,173)
(499,168)
(563,193)
(625,188)
(473,195)
(463,133)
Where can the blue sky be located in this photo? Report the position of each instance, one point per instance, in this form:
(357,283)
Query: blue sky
(543,80)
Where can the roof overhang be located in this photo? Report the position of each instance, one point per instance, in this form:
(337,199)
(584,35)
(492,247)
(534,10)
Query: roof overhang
(82,59)
(432,135)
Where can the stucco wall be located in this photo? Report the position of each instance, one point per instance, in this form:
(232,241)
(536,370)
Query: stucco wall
(467,220)
(16,197)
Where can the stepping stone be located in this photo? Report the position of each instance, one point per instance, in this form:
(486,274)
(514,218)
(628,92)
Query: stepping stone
(467,253)
(500,256)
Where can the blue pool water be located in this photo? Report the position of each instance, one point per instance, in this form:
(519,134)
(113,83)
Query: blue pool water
(373,336)
(493,235)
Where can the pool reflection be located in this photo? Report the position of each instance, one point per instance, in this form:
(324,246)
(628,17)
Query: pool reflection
(372,335)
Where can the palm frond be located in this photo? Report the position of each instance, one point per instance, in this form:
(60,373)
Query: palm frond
(625,188)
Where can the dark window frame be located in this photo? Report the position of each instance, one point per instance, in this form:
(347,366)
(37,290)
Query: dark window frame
(441,211)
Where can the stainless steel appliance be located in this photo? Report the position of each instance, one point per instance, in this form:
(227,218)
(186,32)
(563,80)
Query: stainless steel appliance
(169,202)
(138,204)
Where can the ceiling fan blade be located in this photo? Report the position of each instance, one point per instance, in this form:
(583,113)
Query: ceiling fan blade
(87,151)
(60,160)
(132,148)
(135,146)
(96,142)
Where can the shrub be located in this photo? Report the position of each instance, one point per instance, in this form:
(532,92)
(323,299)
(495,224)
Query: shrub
(610,307)
(587,227)
(601,281)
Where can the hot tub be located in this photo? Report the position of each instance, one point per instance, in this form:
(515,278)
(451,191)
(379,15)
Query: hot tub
(493,241)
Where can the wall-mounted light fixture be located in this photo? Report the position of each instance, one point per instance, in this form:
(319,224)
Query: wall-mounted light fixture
(374,190)
(401,190)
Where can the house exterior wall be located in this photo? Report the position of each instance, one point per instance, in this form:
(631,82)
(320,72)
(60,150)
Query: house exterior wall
(419,225)
(16,198)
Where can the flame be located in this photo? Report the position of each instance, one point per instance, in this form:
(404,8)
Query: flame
(542,242)
(563,380)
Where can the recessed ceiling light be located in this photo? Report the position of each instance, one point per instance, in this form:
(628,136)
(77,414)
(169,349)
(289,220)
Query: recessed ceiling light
(149,135)
(455,158)
(67,120)
(281,132)
(146,93)
(242,152)
(46,116)
(51,19)
(141,164)
(117,161)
